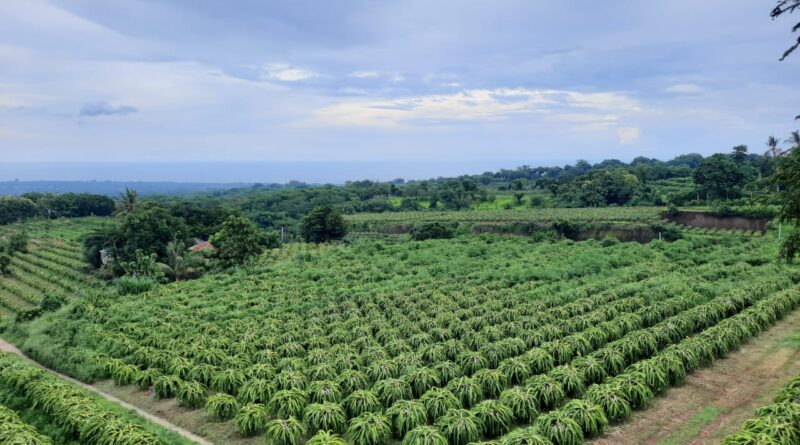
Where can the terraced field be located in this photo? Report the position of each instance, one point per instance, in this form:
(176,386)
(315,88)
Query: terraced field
(481,338)
(51,267)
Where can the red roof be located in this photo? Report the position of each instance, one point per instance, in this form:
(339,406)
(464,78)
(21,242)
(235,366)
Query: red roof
(201,246)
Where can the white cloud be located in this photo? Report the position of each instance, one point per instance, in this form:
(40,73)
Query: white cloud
(684,88)
(480,105)
(365,74)
(397,77)
(628,135)
(287,73)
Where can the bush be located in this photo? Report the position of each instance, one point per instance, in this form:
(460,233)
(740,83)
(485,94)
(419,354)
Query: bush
(284,431)
(191,394)
(369,429)
(222,406)
(130,285)
(252,419)
(424,435)
(325,416)
(432,230)
(322,224)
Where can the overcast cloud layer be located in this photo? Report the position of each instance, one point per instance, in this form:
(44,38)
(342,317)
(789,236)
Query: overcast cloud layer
(96,80)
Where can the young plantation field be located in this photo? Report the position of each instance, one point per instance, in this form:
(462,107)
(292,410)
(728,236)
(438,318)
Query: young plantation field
(473,339)
(52,267)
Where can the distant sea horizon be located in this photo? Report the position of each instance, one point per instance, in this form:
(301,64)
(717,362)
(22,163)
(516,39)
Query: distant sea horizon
(239,172)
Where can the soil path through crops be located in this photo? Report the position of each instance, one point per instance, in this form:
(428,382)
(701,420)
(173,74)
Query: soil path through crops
(8,347)
(714,401)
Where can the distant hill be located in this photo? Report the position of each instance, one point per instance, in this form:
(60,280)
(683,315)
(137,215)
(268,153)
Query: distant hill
(113,188)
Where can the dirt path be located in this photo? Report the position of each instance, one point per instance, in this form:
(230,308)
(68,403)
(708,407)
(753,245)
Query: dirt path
(715,401)
(8,347)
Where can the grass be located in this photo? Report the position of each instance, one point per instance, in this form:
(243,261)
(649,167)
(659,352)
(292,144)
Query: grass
(790,341)
(693,427)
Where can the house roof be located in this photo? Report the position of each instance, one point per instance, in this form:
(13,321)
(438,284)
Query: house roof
(203,245)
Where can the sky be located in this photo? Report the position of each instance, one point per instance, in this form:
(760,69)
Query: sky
(430,81)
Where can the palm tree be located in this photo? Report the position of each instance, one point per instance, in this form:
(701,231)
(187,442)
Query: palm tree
(794,139)
(773,151)
(128,202)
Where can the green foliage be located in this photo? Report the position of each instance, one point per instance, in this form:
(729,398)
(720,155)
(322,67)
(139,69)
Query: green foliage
(325,438)
(362,401)
(590,416)
(17,242)
(5,263)
(321,225)
(252,419)
(369,429)
(324,391)
(495,417)
(325,416)
(438,401)
(432,230)
(240,240)
(166,386)
(288,403)
(424,435)
(191,394)
(522,402)
(222,406)
(406,415)
(467,390)
(257,390)
(560,428)
(547,391)
(611,399)
(392,390)
(460,426)
(525,436)
(284,431)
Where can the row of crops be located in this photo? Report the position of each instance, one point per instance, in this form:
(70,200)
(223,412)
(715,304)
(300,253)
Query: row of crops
(628,214)
(775,424)
(14,430)
(50,268)
(75,413)
(459,341)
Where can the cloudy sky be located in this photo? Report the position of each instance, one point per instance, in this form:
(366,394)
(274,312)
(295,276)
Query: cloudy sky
(429,80)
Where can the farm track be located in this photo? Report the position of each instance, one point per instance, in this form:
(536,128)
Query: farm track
(732,387)
(8,347)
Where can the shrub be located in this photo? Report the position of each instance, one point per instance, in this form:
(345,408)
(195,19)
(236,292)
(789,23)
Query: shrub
(132,285)
(191,394)
(438,401)
(325,438)
(362,401)
(547,391)
(460,426)
(525,436)
(369,429)
(257,390)
(324,391)
(611,399)
(432,230)
(424,435)
(467,390)
(522,402)
(392,390)
(495,417)
(406,415)
(166,386)
(222,406)
(325,416)
(288,403)
(560,428)
(252,419)
(284,431)
(588,415)
(228,380)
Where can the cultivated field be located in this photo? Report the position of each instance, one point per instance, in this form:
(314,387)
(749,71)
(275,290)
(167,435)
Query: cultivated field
(479,338)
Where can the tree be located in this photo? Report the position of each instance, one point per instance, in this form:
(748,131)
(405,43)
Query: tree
(787,178)
(784,7)
(773,151)
(128,202)
(17,242)
(5,263)
(719,176)
(739,153)
(239,240)
(322,224)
